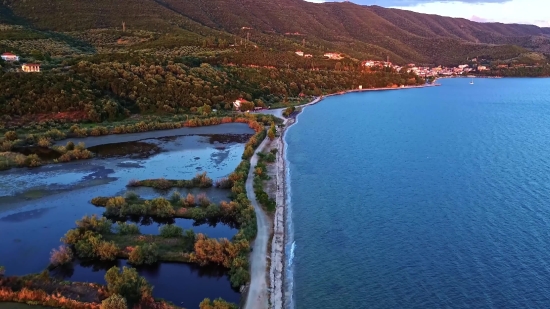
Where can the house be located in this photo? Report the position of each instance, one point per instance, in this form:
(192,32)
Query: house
(333,56)
(300,53)
(237,104)
(368,63)
(462,66)
(31,67)
(308,56)
(9,57)
(481,68)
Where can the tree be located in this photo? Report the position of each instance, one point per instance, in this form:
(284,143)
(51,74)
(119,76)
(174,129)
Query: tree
(128,284)
(114,301)
(271,132)
(144,254)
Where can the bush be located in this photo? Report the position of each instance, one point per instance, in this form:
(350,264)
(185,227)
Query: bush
(127,284)
(10,136)
(216,304)
(69,146)
(61,256)
(44,142)
(114,301)
(160,207)
(107,251)
(94,223)
(170,231)
(144,254)
(124,228)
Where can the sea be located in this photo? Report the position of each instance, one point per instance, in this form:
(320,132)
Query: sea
(422,198)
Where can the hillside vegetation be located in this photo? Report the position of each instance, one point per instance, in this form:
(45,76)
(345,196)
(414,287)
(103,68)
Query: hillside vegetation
(360,31)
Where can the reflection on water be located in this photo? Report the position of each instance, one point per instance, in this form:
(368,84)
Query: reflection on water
(38,206)
(45,154)
(183,284)
(133,150)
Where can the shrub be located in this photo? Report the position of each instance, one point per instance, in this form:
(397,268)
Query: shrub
(144,254)
(216,304)
(170,230)
(61,256)
(175,197)
(203,200)
(160,207)
(114,301)
(69,146)
(124,228)
(10,136)
(127,284)
(131,196)
(44,142)
(107,251)
(88,246)
(94,223)
(201,180)
(224,183)
(189,200)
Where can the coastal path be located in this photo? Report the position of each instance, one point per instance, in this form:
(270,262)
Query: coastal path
(258,295)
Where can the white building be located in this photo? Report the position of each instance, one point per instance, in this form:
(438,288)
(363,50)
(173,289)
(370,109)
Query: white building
(237,104)
(334,56)
(31,67)
(462,66)
(9,57)
(300,53)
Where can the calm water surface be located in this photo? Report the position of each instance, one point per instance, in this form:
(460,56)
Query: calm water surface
(424,198)
(38,206)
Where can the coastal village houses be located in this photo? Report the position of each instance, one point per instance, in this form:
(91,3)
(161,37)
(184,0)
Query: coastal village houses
(31,67)
(334,56)
(9,57)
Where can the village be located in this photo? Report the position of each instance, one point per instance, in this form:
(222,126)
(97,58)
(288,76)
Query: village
(473,66)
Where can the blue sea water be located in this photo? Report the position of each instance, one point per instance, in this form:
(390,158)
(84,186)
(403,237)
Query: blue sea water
(423,198)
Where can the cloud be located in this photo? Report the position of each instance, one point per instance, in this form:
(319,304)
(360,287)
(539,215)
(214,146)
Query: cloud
(480,19)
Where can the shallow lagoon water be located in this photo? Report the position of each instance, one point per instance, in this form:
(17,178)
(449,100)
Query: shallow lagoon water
(37,206)
(424,198)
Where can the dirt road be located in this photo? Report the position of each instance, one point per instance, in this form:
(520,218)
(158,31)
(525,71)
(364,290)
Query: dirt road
(258,293)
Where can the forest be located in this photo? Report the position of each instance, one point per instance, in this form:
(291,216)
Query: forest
(107,89)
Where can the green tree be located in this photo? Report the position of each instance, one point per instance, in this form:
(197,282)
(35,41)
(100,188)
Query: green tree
(144,254)
(128,284)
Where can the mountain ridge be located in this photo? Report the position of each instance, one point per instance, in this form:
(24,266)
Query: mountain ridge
(358,30)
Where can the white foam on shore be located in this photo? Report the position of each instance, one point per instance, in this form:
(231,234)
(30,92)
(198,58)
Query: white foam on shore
(290,245)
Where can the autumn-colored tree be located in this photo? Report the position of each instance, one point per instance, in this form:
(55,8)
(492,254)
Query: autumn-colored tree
(216,304)
(114,301)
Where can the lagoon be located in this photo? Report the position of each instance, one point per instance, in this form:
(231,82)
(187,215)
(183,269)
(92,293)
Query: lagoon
(423,198)
(39,205)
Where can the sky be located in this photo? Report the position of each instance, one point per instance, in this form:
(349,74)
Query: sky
(536,12)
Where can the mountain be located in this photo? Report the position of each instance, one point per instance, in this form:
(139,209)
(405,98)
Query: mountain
(284,25)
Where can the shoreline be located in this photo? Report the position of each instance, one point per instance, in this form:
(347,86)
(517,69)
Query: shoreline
(278,297)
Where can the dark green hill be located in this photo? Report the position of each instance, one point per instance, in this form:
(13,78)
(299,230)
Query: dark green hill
(359,31)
